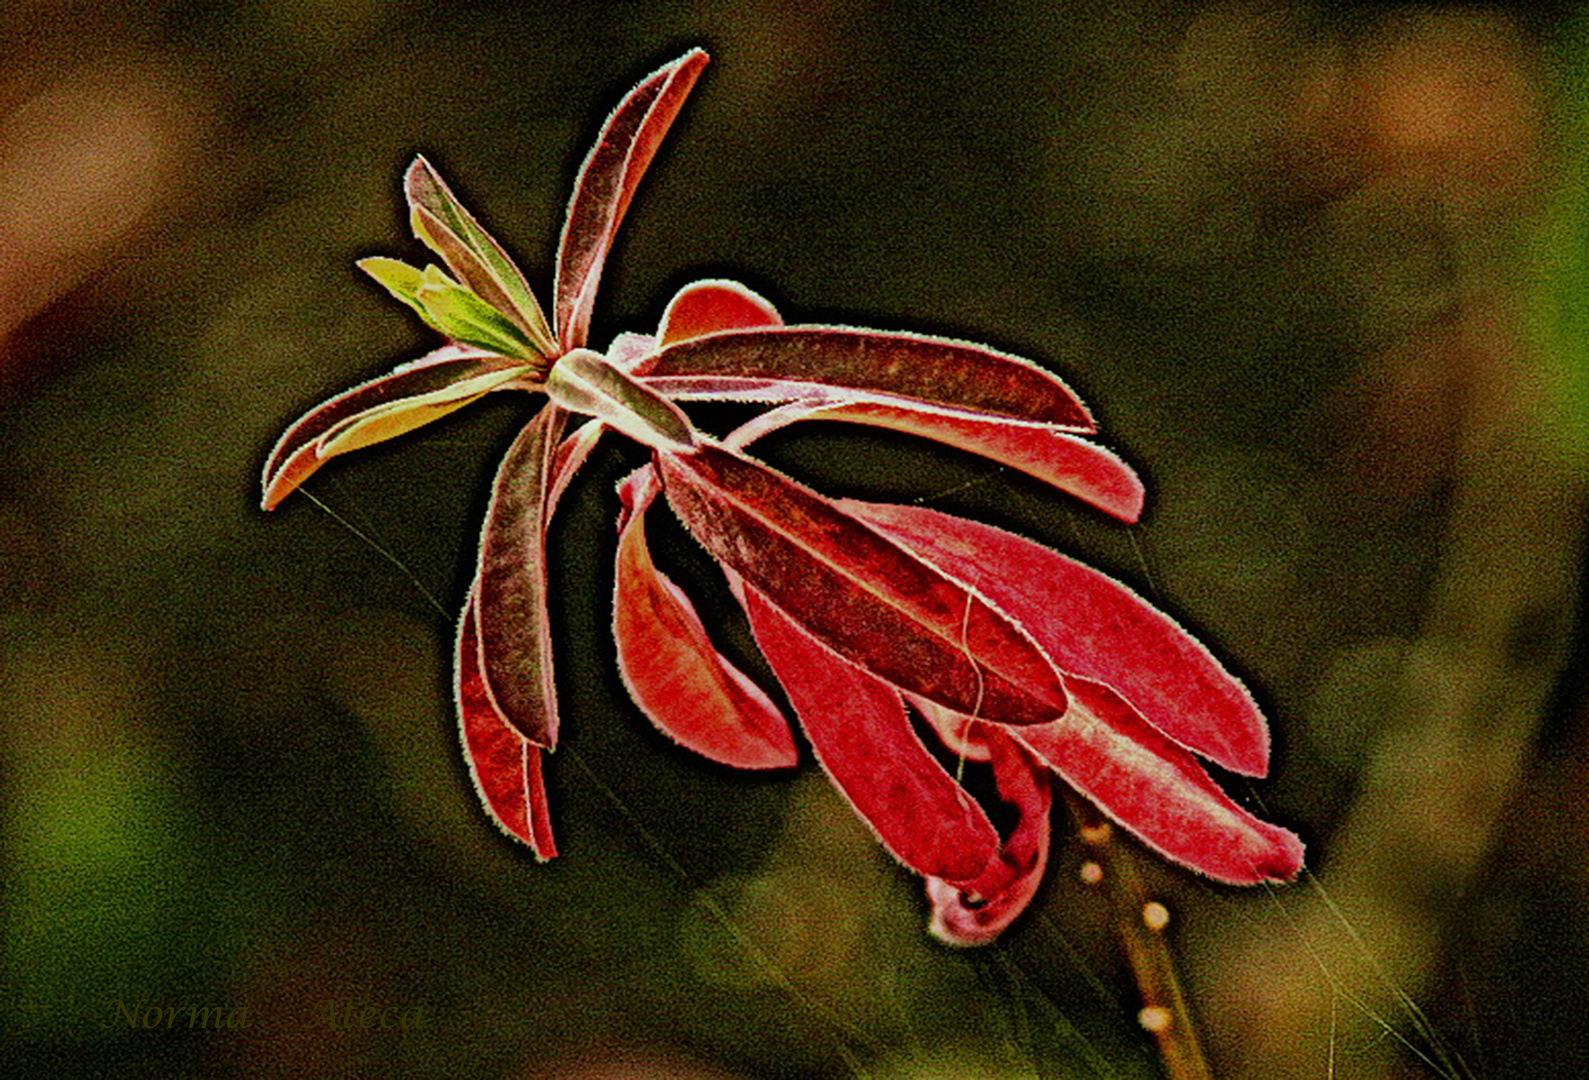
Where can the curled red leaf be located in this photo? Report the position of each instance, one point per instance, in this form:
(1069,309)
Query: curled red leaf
(685,687)
(976,912)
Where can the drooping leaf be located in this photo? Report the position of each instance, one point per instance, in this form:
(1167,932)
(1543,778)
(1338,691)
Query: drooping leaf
(466,318)
(978,911)
(510,600)
(1096,628)
(583,381)
(296,454)
(505,768)
(706,307)
(404,415)
(607,181)
(860,733)
(860,593)
(1158,791)
(955,375)
(449,230)
(679,680)
(1072,464)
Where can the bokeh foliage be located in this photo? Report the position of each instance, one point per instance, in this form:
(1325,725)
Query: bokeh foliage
(1292,251)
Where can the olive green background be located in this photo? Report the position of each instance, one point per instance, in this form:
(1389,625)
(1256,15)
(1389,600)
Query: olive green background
(1317,267)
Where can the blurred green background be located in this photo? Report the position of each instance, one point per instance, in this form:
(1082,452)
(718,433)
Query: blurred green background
(1319,268)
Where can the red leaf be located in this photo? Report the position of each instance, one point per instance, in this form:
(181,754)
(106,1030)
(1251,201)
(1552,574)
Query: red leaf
(505,768)
(956,375)
(965,737)
(706,307)
(1093,627)
(1070,463)
(685,686)
(514,626)
(1158,791)
(976,912)
(861,735)
(607,181)
(858,592)
(295,455)
(571,454)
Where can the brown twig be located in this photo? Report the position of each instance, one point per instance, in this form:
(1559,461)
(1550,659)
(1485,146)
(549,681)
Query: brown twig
(1141,922)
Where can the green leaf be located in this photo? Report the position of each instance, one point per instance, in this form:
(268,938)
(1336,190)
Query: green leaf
(441,222)
(401,280)
(463,316)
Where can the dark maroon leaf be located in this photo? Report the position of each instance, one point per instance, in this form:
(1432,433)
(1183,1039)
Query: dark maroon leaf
(860,593)
(953,374)
(514,626)
(607,181)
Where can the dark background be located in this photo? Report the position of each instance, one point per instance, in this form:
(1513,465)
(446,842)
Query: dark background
(1314,265)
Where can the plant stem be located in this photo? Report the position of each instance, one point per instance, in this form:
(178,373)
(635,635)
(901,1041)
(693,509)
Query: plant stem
(1141,922)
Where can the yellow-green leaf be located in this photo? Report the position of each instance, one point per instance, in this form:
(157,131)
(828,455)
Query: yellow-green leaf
(399,279)
(464,317)
(400,417)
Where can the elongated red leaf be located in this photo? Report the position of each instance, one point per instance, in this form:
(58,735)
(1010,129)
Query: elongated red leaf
(296,455)
(860,593)
(859,731)
(958,375)
(510,605)
(1094,627)
(1070,463)
(684,685)
(505,768)
(978,911)
(1074,465)
(1157,790)
(607,181)
(706,307)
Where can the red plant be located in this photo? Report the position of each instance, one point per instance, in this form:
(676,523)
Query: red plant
(1011,653)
